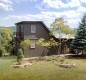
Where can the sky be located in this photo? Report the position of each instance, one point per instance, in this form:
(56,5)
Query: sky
(13,11)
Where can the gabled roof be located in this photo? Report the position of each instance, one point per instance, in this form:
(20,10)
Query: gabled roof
(33,22)
(22,22)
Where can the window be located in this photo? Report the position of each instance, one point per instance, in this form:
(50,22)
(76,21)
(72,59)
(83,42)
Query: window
(20,28)
(33,28)
(33,44)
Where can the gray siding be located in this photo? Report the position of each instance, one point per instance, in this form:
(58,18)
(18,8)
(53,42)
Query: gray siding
(41,32)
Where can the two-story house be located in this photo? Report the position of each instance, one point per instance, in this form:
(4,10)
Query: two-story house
(33,30)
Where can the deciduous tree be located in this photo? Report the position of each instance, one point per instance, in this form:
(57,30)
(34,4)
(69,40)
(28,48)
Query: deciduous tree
(6,40)
(60,26)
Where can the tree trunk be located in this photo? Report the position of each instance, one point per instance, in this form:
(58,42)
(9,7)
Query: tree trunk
(59,48)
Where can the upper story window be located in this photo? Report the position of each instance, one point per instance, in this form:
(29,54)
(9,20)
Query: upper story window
(33,28)
(20,28)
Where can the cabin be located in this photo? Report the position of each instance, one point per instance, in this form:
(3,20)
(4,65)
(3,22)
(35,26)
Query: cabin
(34,30)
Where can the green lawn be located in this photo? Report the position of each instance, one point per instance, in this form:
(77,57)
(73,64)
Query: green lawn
(42,70)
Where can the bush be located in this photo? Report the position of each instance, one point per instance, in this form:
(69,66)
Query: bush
(20,56)
(2,50)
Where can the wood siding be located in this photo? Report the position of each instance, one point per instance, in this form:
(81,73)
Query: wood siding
(41,32)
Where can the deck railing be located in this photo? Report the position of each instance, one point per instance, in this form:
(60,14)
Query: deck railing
(19,35)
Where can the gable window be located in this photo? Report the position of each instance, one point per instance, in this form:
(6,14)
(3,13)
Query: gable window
(33,44)
(20,28)
(33,28)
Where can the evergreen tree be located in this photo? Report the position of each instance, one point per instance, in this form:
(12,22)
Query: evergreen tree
(79,43)
(20,56)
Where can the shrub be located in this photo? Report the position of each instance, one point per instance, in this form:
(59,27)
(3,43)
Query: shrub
(2,51)
(20,56)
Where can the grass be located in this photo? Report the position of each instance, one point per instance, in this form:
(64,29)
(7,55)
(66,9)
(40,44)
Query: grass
(42,70)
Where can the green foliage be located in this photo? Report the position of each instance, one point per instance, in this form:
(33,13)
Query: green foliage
(6,32)
(6,40)
(79,42)
(25,43)
(20,56)
(43,43)
(48,44)
(53,42)
(59,25)
(1,51)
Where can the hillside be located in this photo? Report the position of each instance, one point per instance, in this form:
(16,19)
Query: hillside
(12,27)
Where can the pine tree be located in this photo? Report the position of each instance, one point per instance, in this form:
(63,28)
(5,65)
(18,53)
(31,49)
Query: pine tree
(79,43)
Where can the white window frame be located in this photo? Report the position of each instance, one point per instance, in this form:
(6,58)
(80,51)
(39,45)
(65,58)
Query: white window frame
(33,44)
(33,28)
